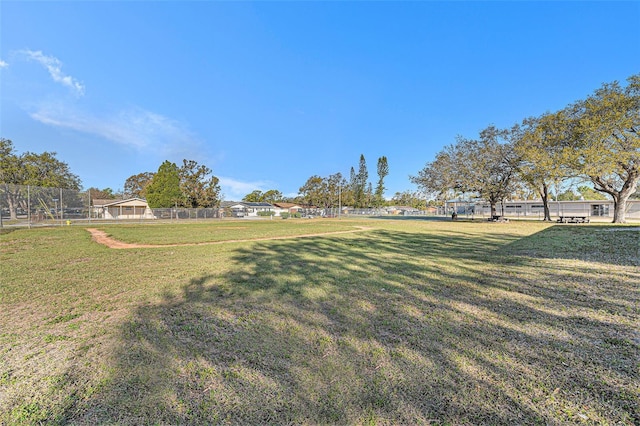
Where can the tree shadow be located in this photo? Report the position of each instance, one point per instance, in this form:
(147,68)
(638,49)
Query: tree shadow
(379,327)
(617,245)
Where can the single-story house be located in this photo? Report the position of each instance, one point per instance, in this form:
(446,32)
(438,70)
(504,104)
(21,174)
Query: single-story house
(404,210)
(245,208)
(286,208)
(132,208)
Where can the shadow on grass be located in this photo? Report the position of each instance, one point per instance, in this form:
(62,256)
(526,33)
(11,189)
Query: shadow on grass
(382,327)
(618,245)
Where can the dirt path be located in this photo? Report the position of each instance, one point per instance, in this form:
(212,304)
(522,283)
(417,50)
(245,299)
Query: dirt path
(101,237)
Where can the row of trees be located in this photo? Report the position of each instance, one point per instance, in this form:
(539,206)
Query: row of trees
(191,185)
(270,196)
(335,189)
(595,139)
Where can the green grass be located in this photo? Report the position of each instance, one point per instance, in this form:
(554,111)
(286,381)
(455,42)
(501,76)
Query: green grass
(409,322)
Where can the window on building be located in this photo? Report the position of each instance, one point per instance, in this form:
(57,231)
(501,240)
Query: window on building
(600,210)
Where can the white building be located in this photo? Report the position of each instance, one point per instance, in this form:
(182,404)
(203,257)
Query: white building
(247,209)
(532,209)
(132,208)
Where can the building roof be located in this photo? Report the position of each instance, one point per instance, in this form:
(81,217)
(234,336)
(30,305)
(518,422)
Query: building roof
(286,205)
(260,204)
(101,202)
(228,203)
(128,202)
(402,207)
(244,203)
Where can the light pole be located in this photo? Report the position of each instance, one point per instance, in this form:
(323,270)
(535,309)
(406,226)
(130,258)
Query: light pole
(55,200)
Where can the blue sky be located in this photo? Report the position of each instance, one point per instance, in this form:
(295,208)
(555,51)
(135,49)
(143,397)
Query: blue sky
(268,94)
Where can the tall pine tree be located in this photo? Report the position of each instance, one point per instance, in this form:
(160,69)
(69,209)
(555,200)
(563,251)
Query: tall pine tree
(383,171)
(360,190)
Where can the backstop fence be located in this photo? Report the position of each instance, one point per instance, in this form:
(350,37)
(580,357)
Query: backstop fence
(26,205)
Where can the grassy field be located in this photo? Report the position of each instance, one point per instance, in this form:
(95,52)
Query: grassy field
(404,322)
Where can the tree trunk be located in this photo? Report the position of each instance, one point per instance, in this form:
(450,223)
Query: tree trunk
(13,209)
(545,202)
(493,209)
(620,206)
(618,212)
(619,197)
(13,203)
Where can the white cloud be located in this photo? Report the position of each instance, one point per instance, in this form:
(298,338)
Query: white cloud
(235,190)
(145,131)
(54,66)
(3,64)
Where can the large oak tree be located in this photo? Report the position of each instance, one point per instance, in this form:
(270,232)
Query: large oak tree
(539,144)
(606,145)
(485,167)
(198,186)
(136,185)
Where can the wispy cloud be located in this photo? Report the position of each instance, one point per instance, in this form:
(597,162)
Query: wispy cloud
(3,64)
(143,130)
(235,190)
(54,66)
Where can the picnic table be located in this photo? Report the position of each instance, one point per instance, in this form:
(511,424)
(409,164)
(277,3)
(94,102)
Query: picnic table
(573,219)
(496,218)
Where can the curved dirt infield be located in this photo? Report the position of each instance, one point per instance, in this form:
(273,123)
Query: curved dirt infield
(101,237)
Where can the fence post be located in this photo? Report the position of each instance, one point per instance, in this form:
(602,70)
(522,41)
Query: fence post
(29,206)
(61,209)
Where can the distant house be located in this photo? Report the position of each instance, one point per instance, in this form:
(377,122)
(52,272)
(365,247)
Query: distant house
(403,210)
(233,209)
(291,208)
(132,208)
(246,209)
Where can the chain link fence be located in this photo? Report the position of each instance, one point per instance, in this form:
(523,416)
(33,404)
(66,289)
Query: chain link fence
(27,206)
(24,205)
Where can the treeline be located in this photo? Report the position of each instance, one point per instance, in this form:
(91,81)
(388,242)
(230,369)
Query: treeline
(326,189)
(191,185)
(595,139)
(335,190)
(357,191)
